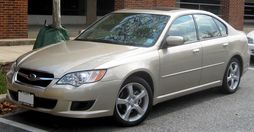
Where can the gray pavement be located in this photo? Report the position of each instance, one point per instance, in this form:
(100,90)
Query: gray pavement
(207,111)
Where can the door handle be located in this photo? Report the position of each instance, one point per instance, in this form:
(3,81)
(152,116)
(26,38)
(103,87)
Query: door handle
(225,44)
(196,51)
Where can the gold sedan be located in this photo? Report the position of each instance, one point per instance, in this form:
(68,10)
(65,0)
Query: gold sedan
(129,61)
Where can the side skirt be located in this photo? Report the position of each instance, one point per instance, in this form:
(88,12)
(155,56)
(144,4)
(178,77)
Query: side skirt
(173,95)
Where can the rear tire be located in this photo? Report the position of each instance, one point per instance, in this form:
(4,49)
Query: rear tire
(133,103)
(232,77)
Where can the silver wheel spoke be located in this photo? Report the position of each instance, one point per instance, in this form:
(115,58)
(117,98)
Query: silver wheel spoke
(231,68)
(235,69)
(122,101)
(130,90)
(141,95)
(232,83)
(139,109)
(229,78)
(236,77)
(127,113)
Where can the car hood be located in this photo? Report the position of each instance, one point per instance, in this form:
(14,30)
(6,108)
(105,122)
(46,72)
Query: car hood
(72,56)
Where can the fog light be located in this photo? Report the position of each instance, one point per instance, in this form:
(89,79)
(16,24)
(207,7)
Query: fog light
(81,105)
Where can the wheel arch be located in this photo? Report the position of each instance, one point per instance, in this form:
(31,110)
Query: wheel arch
(144,75)
(238,57)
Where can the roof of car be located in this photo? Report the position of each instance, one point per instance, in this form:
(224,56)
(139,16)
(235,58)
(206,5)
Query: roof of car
(162,11)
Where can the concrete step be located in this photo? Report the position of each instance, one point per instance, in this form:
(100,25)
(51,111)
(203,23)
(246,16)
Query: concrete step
(16,42)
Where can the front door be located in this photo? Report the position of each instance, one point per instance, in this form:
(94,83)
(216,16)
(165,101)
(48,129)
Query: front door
(180,65)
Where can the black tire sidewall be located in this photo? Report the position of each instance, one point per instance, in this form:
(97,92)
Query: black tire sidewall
(141,81)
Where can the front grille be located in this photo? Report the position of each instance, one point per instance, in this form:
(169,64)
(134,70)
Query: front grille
(38,101)
(42,79)
(252,51)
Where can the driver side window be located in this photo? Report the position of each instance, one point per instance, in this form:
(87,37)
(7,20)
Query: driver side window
(184,26)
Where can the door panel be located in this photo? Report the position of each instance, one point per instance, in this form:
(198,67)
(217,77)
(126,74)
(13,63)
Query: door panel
(180,67)
(214,56)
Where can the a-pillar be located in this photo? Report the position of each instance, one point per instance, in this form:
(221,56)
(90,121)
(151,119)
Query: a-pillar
(91,11)
(13,19)
(143,4)
(233,12)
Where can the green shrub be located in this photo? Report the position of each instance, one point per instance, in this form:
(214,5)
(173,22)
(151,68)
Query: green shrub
(3,84)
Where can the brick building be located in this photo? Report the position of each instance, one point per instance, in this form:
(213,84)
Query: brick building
(16,15)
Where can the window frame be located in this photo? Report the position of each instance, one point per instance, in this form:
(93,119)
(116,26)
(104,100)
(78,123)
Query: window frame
(166,35)
(222,24)
(215,24)
(163,44)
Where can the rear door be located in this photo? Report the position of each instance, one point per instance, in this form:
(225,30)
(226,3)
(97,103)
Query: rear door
(212,35)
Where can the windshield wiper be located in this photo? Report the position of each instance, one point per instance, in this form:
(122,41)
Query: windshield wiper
(98,40)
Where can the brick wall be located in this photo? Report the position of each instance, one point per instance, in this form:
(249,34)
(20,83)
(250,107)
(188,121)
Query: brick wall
(233,12)
(139,4)
(13,19)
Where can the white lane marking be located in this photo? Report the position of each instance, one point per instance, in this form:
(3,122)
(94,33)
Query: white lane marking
(250,68)
(20,125)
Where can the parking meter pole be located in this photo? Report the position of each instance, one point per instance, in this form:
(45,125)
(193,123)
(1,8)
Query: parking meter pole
(56,14)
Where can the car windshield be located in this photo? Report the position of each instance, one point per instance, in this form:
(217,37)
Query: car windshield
(126,29)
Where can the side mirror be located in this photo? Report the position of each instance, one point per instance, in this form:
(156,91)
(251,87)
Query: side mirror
(174,40)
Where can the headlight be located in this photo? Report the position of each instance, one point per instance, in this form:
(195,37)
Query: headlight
(250,41)
(78,78)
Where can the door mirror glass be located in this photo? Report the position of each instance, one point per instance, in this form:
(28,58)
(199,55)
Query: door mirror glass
(174,40)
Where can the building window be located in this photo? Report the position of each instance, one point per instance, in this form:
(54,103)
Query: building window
(68,7)
(208,5)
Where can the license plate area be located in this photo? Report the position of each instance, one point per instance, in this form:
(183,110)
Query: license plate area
(26,98)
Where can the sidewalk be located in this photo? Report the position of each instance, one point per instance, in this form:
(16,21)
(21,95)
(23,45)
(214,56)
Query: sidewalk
(11,53)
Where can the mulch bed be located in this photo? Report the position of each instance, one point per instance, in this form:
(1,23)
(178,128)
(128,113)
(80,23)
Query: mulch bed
(5,106)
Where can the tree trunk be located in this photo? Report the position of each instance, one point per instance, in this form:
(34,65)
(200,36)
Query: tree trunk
(56,14)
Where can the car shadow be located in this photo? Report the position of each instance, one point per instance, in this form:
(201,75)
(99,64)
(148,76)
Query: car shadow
(55,123)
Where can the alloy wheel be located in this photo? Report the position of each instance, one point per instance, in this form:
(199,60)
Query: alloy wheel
(233,75)
(132,102)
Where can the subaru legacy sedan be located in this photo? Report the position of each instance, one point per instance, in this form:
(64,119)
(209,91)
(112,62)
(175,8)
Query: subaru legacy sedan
(128,61)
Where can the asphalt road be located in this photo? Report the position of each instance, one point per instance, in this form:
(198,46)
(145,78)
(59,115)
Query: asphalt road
(206,111)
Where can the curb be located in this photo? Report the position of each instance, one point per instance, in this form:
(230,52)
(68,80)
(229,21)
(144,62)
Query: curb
(2,97)
(16,42)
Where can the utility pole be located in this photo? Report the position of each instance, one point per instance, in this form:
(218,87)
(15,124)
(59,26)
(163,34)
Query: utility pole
(56,14)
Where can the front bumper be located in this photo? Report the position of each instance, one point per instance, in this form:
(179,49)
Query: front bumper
(103,95)
(251,48)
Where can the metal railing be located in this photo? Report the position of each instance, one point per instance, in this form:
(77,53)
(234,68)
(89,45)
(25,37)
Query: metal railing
(214,8)
(246,8)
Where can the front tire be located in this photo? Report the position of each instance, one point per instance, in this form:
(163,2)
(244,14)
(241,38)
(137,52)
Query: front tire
(134,102)
(232,76)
